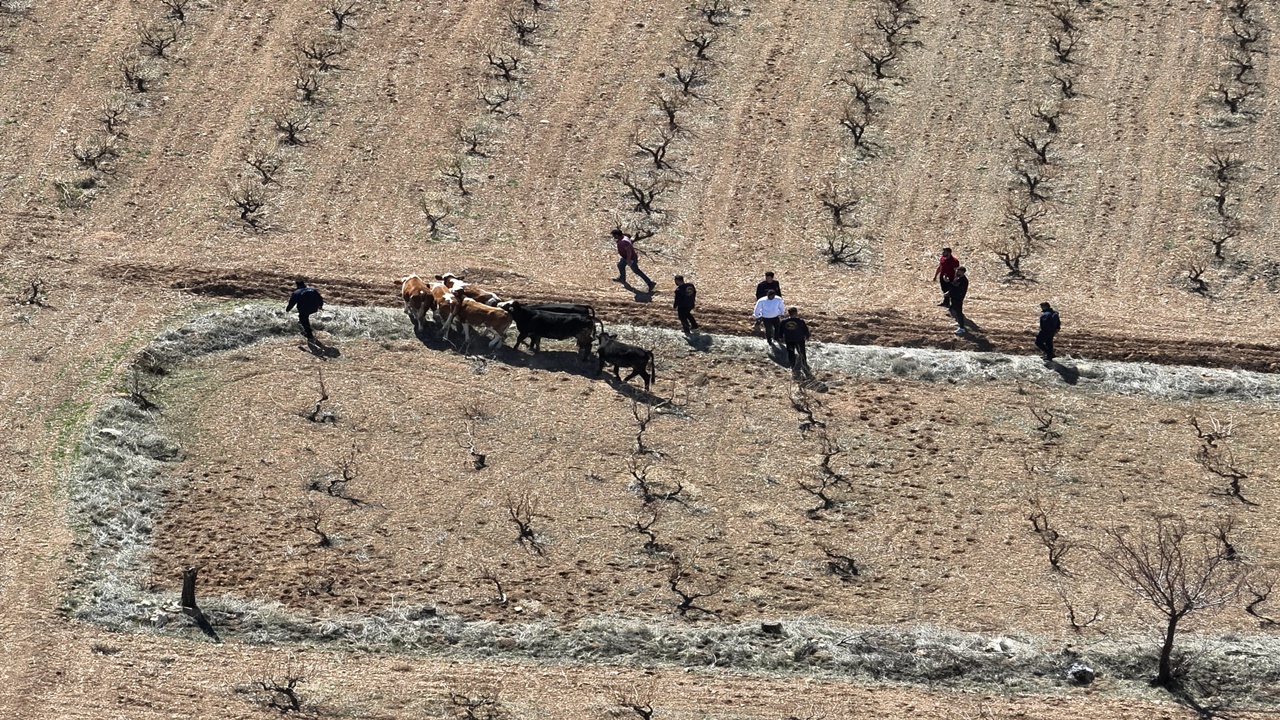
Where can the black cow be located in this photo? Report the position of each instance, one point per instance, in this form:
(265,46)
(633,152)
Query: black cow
(559,307)
(620,355)
(537,324)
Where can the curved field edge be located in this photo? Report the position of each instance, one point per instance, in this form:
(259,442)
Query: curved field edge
(116,493)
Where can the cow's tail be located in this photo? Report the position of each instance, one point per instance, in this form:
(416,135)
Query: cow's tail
(653,369)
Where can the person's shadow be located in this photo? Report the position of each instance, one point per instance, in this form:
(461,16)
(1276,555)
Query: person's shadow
(322,351)
(1069,374)
(974,337)
(644,295)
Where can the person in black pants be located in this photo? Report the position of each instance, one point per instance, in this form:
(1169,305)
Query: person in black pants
(1050,324)
(686,296)
(955,296)
(308,302)
(794,334)
(763,288)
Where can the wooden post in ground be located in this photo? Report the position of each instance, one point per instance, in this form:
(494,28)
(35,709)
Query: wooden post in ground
(189,588)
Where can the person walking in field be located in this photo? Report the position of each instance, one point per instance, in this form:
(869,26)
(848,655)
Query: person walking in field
(1050,324)
(769,310)
(629,258)
(794,334)
(946,272)
(308,302)
(686,296)
(768,283)
(955,297)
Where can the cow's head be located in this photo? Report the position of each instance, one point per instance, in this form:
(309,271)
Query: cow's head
(508,304)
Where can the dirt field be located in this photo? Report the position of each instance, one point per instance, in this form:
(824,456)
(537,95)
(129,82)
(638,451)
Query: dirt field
(940,479)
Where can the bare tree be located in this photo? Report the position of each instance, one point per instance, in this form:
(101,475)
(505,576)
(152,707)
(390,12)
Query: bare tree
(524,25)
(249,198)
(840,564)
(474,138)
(1063,45)
(496,98)
(670,104)
(311,518)
(137,74)
(688,78)
(893,27)
(1076,619)
(455,171)
(481,704)
(1260,590)
(655,147)
(95,152)
(322,50)
(855,120)
(307,83)
(34,294)
(863,93)
(1242,66)
(265,160)
(1066,86)
(177,9)
(644,188)
(1044,417)
(1233,96)
(1178,571)
(341,11)
(1031,183)
(1195,273)
(715,12)
(521,510)
(1023,215)
(644,523)
(1216,457)
(827,480)
(1223,166)
(682,583)
(505,65)
(642,417)
(1039,147)
(1011,251)
(638,702)
(292,123)
(478,459)
(280,692)
(701,40)
(879,60)
(318,414)
(436,209)
(651,491)
(1065,15)
(839,249)
(1052,540)
(488,574)
(1245,36)
(1048,117)
(840,202)
(157,38)
(112,115)
(1219,241)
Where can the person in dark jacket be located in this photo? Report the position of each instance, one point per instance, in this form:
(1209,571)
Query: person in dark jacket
(794,334)
(628,258)
(1050,324)
(686,296)
(308,302)
(955,297)
(768,283)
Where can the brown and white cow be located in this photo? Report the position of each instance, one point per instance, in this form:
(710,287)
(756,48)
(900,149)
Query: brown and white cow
(417,300)
(467,290)
(481,318)
(446,305)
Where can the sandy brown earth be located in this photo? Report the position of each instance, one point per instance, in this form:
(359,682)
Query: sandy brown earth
(1130,204)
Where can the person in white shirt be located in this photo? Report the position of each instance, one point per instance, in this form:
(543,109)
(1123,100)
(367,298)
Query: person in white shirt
(770,310)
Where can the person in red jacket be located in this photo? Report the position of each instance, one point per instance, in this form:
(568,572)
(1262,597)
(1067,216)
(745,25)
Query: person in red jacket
(628,257)
(945,273)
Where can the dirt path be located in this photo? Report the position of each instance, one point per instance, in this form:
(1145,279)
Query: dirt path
(887,327)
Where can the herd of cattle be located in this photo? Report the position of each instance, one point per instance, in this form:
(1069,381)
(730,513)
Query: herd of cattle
(452,302)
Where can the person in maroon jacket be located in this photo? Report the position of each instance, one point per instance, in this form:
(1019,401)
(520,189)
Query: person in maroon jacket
(628,257)
(945,273)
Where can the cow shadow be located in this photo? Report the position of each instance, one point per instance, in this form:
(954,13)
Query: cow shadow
(635,392)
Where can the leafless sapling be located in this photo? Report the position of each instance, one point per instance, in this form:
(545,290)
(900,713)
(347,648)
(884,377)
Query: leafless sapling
(1195,276)
(455,170)
(505,65)
(827,480)
(34,294)
(479,460)
(643,187)
(688,78)
(645,520)
(521,510)
(804,403)
(640,703)
(1063,44)
(474,139)
(495,98)
(157,38)
(655,146)
(525,26)
(1039,147)
(681,581)
(839,249)
(265,161)
(1176,569)
(341,11)
(1075,617)
(1066,85)
(113,115)
(1234,95)
(139,388)
(1011,250)
(1031,183)
(319,414)
(1239,9)
(95,152)
(488,574)
(879,60)
(1052,540)
(1242,67)
(840,202)
(176,10)
(651,491)
(1218,459)
(1245,35)
(1048,117)
(1221,195)
(1044,418)
(322,51)
(291,123)
(642,412)
(1065,15)
(855,120)
(311,518)
(1023,215)
(307,83)
(436,209)
(136,73)
(701,40)
(840,564)
(894,26)
(280,693)
(1260,591)
(477,704)
(715,12)
(249,199)
(1223,166)
(1219,240)
(863,93)
(670,104)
